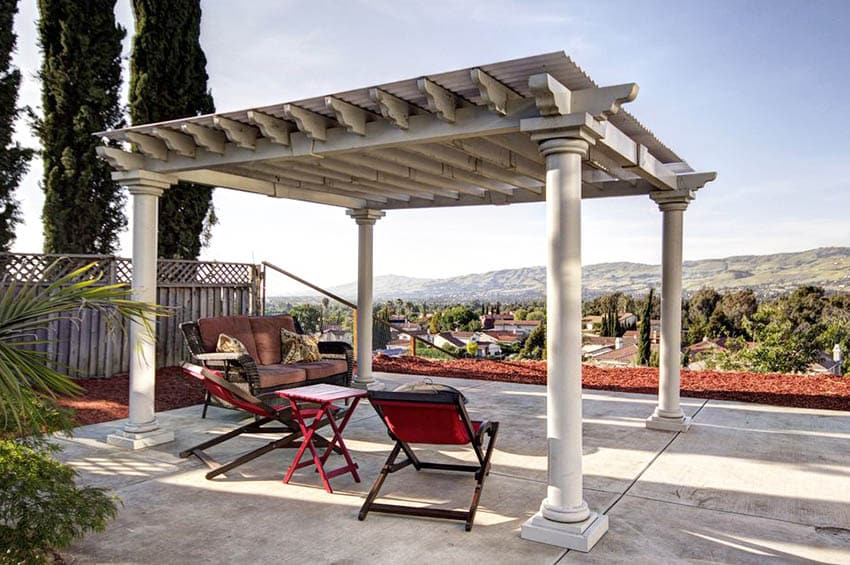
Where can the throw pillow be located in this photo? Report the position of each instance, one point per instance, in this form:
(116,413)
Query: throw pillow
(295,347)
(227,344)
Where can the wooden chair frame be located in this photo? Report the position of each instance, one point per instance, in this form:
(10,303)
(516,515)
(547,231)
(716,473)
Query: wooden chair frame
(264,413)
(481,470)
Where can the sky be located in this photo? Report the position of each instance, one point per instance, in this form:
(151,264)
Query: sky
(755,90)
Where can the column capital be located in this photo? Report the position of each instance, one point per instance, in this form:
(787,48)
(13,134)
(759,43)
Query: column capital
(571,133)
(366,216)
(144,182)
(672,200)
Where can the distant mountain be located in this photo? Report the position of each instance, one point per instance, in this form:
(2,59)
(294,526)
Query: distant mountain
(768,275)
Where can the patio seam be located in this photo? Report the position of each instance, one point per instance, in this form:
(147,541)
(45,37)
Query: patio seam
(743,515)
(651,461)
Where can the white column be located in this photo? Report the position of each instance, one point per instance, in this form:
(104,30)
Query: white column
(668,415)
(564,518)
(365,219)
(142,428)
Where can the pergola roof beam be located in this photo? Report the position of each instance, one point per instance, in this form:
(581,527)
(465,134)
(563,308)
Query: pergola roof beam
(243,135)
(441,160)
(519,144)
(505,158)
(391,178)
(210,139)
(351,117)
(274,129)
(314,125)
(345,183)
(495,95)
(180,143)
(149,145)
(392,108)
(440,101)
(460,160)
(467,185)
(555,99)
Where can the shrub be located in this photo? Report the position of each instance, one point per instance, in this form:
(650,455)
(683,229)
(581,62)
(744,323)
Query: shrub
(41,507)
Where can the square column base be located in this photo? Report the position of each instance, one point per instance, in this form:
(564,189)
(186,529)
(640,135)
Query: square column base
(580,536)
(656,422)
(372,385)
(130,440)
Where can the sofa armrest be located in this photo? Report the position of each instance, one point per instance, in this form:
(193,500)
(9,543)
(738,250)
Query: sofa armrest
(337,349)
(218,356)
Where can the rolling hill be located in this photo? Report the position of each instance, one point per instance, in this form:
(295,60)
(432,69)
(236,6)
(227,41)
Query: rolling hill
(768,275)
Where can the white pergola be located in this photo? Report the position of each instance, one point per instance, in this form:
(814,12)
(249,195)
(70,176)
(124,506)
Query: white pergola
(536,129)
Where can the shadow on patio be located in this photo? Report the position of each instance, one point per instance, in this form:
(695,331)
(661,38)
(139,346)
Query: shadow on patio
(748,483)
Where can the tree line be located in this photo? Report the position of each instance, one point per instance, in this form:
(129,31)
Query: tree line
(81,79)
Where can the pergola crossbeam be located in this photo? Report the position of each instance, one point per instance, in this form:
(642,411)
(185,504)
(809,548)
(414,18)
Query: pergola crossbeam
(392,107)
(243,135)
(274,129)
(210,139)
(352,118)
(180,143)
(149,145)
(314,125)
(440,101)
(496,96)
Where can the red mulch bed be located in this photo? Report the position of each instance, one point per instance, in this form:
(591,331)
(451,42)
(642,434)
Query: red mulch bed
(804,391)
(106,399)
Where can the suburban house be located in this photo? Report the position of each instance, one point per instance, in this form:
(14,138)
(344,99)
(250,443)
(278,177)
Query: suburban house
(459,340)
(523,327)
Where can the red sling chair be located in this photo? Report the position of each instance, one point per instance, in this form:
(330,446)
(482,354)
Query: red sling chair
(436,417)
(267,410)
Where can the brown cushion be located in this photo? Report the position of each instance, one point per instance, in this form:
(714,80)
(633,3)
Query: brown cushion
(322,369)
(266,330)
(234,326)
(280,375)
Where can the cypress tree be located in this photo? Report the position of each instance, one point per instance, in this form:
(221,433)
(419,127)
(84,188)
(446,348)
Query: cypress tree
(14,159)
(168,80)
(644,334)
(80,82)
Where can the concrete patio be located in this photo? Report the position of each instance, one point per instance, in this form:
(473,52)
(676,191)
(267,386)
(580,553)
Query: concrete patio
(747,483)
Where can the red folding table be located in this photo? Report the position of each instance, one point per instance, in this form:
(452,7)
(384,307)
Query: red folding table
(324,395)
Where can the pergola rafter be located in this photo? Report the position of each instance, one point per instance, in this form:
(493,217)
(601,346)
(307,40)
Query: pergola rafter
(536,129)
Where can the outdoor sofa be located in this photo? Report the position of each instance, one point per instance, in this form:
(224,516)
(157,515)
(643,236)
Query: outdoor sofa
(261,370)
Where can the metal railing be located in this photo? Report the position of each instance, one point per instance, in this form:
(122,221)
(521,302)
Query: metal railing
(353,306)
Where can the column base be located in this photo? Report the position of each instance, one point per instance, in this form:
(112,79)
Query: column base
(680,424)
(132,440)
(580,536)
(370,385)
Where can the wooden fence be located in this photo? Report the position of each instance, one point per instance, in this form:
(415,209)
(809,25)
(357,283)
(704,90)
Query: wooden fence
(190,289)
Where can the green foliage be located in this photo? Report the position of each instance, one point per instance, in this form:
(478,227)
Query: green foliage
(27,379)
(429,352)
(520,314)
(41,507)
(535,344)
(14,159)
(644,334)
(787,332)
(168,80)
(81,82)
(381,329)
(455,318)
(611,323)
(536,314)
(309,317)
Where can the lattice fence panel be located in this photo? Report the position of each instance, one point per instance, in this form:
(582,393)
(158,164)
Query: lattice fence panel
(190,289)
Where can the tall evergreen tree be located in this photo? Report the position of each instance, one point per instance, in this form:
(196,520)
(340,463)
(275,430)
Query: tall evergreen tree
(168,80)
(644,336)
(80,82)
(14,159)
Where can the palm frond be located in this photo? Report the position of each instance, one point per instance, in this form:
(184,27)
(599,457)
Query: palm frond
(26,309)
